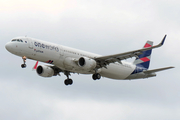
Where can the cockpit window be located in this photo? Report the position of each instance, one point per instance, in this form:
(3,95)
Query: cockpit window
(18,40)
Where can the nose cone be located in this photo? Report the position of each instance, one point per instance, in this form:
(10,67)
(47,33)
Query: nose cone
(8,46)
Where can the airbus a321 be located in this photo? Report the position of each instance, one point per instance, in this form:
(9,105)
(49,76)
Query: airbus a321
(69,60)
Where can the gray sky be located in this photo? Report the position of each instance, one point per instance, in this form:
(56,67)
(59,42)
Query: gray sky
(102,27)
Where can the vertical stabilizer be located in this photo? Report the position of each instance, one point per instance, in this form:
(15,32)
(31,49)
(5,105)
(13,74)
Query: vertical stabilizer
(143,60)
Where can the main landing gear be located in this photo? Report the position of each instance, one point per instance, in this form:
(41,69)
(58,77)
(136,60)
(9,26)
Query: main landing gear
(24,60)
(68,81)
(96,76)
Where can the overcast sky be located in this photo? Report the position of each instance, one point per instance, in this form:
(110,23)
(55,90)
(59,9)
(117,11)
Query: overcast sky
(99,26)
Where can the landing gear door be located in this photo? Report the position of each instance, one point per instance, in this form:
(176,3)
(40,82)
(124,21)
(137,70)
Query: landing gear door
(30,43)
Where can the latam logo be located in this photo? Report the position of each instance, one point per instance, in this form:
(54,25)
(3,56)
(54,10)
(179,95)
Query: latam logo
(50,61)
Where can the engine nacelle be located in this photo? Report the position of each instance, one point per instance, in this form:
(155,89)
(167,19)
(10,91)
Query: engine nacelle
(44,71)
(87,63)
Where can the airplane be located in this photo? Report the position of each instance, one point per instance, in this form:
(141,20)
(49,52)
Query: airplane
(69,60)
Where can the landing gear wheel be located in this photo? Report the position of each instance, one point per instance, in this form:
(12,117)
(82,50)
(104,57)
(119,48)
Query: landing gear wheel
(23,65)
(68,82)
(96,76)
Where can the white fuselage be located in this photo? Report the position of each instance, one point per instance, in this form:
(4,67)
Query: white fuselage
(61,56)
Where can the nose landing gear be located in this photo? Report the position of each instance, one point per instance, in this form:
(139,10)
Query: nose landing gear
(24,60)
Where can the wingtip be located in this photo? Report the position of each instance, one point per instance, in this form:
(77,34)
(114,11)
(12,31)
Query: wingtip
(163,40)
(172,67)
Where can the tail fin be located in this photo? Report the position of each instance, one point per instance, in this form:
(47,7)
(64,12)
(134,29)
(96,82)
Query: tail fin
(143,60)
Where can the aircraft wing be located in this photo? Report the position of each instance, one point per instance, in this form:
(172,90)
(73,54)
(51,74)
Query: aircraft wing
(157,70)
(103,61)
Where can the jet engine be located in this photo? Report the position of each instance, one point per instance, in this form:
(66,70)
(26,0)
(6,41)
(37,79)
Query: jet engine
(87,63)
(44,71)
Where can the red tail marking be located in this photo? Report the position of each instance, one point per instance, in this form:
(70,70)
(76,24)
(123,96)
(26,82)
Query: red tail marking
(147,45)
(145,59)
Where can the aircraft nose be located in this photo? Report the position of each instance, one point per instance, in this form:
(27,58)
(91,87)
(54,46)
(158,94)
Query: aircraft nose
(7,46)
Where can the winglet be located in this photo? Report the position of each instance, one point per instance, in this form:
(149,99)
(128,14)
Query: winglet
(163,40)
(160,44)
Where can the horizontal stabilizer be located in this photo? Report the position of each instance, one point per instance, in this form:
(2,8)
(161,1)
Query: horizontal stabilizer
(157,70)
